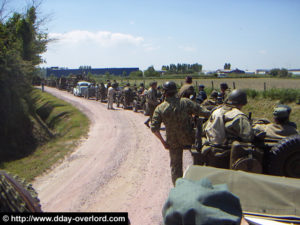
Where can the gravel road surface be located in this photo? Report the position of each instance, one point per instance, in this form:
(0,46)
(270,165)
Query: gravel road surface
(120,167)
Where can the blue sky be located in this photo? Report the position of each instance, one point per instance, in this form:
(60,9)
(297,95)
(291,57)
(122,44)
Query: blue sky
(249,34)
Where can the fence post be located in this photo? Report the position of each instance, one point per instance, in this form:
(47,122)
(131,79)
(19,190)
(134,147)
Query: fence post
(233,85)
(212,84)
(265,86)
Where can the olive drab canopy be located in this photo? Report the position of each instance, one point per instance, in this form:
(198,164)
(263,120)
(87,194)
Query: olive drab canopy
(260,194)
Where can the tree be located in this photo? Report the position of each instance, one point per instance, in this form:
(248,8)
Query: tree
(135,74)
(227,66)
(150,72)
(21,44)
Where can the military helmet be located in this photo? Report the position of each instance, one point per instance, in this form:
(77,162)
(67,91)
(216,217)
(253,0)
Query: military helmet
(281,112)
(170,87)
(237,97)
(289,109)
(188,79)
(224,86)
(142,84)
(214,94)
(201,86)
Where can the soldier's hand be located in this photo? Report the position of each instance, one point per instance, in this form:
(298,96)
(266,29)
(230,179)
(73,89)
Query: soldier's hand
(166,145)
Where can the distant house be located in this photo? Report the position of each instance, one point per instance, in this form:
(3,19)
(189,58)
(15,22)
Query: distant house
(294,71)
(262,71)
(226,71)
(55,71)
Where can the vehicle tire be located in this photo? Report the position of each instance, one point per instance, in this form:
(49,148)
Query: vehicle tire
(284,158)
(248,165)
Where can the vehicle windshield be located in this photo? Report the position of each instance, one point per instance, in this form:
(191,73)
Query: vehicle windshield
(83,84)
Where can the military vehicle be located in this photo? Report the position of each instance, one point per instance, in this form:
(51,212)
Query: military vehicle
(89,92)
(17,195)
(264,199)
(280,157)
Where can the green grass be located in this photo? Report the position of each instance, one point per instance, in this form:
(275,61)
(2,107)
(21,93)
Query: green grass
(66,123)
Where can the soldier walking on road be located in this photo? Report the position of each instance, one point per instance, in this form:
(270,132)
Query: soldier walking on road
(110,96)
(151,101)
(176,114)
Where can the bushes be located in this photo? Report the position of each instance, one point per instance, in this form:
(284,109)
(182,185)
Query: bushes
(283,95)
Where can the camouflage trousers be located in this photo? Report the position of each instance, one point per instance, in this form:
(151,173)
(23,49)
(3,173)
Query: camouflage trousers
(176,163)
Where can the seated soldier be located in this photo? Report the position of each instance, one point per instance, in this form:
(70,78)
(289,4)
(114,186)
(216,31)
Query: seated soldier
(281,128)
(201,95)
(212,101)
(226,124)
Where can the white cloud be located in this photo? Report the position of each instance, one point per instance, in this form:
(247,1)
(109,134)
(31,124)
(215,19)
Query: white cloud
(102,38)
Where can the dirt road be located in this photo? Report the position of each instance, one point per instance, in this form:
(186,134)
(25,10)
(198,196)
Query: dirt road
(121,167)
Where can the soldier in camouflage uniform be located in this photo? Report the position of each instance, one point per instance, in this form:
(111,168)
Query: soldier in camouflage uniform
(176,114)
(187,90)
(226,124)
(281,128)
(224,92)
(151,101)
(212,101)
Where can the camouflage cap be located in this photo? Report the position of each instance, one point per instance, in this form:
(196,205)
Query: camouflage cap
(201,203)
(281,112)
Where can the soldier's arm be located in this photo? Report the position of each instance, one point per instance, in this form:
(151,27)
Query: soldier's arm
(155,127)
(197,109)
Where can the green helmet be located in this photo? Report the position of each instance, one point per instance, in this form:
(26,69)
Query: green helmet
(237,97)
(170,87)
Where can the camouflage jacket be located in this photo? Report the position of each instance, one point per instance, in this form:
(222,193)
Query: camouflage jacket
(277,131)
(186,91)
(228,123)
(152,97)
(176,114)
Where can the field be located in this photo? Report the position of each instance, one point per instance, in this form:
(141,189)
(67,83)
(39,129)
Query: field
(240,83)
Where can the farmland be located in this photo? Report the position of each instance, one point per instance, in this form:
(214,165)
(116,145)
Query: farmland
(240,83)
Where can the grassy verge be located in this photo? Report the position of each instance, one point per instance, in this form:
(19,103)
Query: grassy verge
(64,121)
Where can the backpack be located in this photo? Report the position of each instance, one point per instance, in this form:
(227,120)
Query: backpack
(215,126)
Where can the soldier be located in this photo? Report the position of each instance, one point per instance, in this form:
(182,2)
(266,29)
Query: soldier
(141,89)
(176,114)
(151,101)
(201,95)
(226,124)
(127,95)
(187,90)
(102,92)
(212,101)
(281,128)
(110,96)
(223,91)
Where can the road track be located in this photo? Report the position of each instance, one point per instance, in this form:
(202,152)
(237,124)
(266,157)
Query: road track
(120,167)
